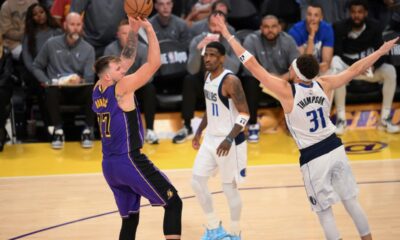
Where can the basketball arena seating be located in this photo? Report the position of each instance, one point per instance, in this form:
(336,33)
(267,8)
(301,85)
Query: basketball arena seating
(168,81)
(169,78)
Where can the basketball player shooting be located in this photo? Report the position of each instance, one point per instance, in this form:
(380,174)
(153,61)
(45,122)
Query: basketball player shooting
(128,172)
(326,172)
(224,146)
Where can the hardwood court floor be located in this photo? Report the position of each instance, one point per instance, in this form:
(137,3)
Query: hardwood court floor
(48,194)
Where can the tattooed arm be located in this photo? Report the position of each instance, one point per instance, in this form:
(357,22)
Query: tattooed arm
(232,88)
(128,54)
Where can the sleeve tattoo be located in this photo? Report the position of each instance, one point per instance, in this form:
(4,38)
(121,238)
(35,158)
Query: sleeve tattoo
(130,49)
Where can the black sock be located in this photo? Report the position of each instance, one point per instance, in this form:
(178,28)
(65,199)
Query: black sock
(129,226)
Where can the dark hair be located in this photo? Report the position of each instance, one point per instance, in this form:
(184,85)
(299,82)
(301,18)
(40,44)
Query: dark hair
(308,65)
(103,62)
(218,46)
(358,3)
(316,5)
(216,3)
(123,22)
(31,27)
(215,13)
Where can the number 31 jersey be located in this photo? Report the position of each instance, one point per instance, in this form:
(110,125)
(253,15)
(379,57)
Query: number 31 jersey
(309,121)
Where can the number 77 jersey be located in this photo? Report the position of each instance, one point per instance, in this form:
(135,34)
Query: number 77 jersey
(309,121)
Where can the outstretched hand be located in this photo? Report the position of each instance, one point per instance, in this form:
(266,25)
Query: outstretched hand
(220,25)
(135,23)
(385,48)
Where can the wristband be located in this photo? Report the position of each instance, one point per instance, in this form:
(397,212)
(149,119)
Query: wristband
(242,119)
(245,57)
(229,139)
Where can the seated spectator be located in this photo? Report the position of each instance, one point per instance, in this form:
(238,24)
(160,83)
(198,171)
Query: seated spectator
(200,9)
(275,51)
(168,26)
(67,60)
(194,82)
(146,94)
(333,10)
(5,90)
(59,10)
(12,24)
(356,38)
(315,36)
(39,26)
(101,20)
(202,25)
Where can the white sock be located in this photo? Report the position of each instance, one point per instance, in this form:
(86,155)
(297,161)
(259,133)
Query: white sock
(212,220)
(341,114)
(235,228)
(385,113)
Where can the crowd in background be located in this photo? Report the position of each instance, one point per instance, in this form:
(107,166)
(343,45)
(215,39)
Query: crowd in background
(48,48)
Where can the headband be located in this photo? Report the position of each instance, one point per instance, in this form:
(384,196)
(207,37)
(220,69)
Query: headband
(298,73)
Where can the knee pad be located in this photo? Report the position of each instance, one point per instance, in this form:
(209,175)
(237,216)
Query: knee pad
(173,216)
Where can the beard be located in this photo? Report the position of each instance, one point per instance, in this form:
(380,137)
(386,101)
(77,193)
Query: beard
(357,24)
(74,36)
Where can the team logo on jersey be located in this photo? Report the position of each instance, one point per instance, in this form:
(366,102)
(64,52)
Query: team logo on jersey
(312,200)
(363,147)
(243,172)
(170,194)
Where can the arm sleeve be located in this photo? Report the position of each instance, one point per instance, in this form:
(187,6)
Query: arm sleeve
(194,61)
(40,63)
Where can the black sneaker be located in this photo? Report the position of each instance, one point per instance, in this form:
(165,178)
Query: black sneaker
(182,134)
(57,142)
(87,138)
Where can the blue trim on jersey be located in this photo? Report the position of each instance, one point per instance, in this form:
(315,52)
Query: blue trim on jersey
(306,85)
(224,99)
(319,84)
(321,148)
(240,138)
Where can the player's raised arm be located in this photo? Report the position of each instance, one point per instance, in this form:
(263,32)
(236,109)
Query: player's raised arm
(139,78)
(278,86)
(359,67)
(128,54)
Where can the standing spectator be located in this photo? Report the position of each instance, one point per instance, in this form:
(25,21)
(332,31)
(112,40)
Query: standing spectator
(315,36)
(101,19)
(193,83)
(39,27)
(356,38)
(59,10)
(275,50)
(167,25)
(12,24)
(67,57)
(146,94)
(5,90)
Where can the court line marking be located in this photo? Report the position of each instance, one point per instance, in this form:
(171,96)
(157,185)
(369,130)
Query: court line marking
(190,169)
(183,198)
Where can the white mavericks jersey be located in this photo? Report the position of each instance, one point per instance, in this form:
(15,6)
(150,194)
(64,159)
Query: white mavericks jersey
(309,121)
(221,112)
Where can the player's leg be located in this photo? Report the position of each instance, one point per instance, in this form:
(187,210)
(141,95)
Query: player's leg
(235,206)
(151,183)
(327,221)
(129,226)
(359,218)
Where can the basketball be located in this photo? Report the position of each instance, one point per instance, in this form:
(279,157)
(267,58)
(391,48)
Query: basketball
(138,8)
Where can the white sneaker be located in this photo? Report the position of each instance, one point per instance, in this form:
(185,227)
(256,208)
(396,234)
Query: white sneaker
(340,126)
(151,137)
(388,126)
(254,132)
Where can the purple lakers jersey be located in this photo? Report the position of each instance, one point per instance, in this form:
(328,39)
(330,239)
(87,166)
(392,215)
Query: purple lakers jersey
(121,132)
